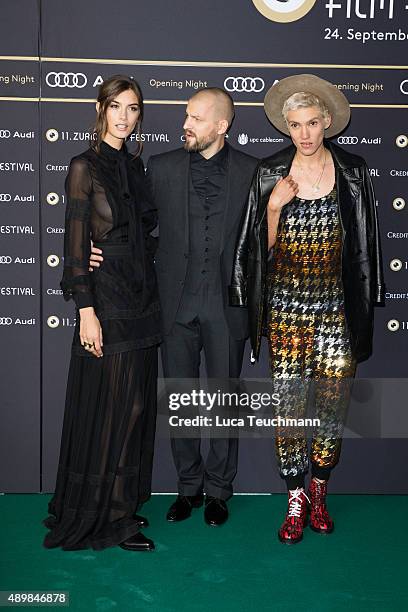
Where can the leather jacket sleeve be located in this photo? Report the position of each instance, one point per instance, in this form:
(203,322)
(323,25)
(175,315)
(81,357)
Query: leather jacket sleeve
(237,291)
(375,255)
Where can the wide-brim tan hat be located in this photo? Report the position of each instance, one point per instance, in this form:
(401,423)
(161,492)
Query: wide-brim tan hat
(334,99)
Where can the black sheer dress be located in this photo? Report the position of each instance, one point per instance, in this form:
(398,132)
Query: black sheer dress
(105,466)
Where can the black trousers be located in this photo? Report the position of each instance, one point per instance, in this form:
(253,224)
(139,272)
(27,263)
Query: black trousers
(200,325)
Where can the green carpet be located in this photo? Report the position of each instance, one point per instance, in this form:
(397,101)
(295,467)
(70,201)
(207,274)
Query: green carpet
(240,566)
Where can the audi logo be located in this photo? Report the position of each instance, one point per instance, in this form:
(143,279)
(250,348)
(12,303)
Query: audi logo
(404,87)
(5,259)
(5,197)
(66,79)
(247,84)
(350,140)
(6,321)
(5,133)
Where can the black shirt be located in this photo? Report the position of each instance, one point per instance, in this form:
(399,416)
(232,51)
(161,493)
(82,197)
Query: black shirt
(107,201)
(208,175)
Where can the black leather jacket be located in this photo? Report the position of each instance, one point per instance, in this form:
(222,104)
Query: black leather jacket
(362,272)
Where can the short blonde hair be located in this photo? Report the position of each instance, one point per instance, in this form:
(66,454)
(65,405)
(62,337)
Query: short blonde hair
(304,99)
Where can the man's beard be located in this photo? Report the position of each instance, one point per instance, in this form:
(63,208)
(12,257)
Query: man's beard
(199,145)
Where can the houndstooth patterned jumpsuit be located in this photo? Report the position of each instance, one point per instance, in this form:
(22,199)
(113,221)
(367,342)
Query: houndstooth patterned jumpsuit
(307,334)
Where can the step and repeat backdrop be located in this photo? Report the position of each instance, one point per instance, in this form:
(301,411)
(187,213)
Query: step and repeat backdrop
(51,64)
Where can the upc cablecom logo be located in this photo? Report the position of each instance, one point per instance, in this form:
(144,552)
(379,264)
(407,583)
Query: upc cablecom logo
(284,11)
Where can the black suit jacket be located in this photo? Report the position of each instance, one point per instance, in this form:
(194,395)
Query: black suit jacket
(168,177)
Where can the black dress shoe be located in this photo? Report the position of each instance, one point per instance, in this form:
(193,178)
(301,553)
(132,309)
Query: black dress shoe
(181,509)
(141,520)
(138,543)
(216,511)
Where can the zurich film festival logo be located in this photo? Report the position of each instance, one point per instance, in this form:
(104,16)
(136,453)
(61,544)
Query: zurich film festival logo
(52,135)
(52,198)
(53,321)
(396,265)
(393,325)
(401,141)
(284,11)
(398,204)
(53,260)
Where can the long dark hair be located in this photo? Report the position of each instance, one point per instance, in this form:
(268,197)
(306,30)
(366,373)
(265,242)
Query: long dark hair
(108,91)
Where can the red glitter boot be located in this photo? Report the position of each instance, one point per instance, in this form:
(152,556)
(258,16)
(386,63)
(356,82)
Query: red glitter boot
(320,520)
(291,531)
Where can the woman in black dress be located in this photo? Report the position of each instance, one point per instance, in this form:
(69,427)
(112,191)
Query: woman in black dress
(105,465)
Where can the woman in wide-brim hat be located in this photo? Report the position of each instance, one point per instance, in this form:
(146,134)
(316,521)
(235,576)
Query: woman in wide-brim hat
(313,204)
